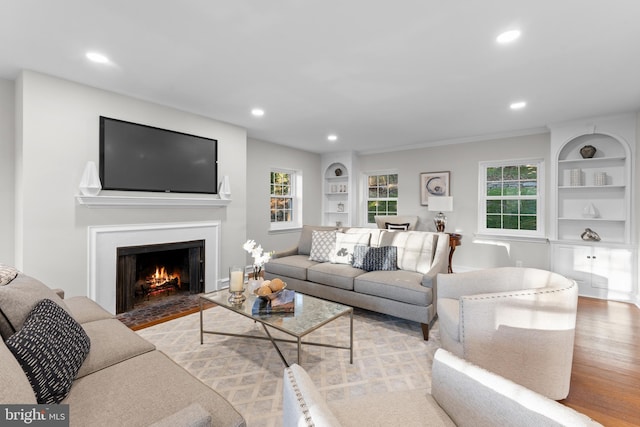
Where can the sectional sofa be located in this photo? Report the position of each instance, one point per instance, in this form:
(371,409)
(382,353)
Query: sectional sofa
(71,351)
(390,272)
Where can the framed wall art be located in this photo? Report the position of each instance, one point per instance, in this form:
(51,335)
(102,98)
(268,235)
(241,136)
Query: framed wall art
(433,184)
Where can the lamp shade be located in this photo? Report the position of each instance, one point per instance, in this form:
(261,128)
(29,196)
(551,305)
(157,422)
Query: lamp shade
(441,203)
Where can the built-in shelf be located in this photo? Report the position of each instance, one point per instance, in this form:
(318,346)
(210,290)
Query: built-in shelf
(110,201)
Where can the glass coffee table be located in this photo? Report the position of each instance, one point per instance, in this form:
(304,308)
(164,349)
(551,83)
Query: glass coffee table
(310,314)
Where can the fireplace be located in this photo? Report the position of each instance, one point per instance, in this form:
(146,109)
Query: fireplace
(104,241)
(152,271)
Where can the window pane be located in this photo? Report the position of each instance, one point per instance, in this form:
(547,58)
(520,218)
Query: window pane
(494,221)
(528,172)
(528,207)
(528,188)
(382,206)
(372,206)
(392,206)
(373,181)
(373,192)
(510,189)
(528,222)
(286,190)
(494,206)
(494,189)
(510,206)
(393,179)
(510,222)
(371,217)
(494,174)
(393,191)
(382,180)
(510,173)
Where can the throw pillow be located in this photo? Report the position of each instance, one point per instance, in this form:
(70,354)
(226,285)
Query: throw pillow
(402,227)
(7,274)
(345,244)
(322,244)
(367,258)
(50,347)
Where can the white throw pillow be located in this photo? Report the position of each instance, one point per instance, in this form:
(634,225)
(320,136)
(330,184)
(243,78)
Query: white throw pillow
(345,244)
(322,245)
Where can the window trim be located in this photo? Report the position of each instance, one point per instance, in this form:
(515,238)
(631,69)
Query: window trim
(296,195)
(540,199)
(365,193)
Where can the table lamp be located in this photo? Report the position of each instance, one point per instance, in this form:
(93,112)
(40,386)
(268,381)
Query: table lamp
(440,204)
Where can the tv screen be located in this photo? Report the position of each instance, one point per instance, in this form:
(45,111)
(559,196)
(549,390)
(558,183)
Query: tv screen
(136,157)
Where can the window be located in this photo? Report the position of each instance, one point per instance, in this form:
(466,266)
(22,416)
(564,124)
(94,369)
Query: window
(382,195)
(510,198)
(285,199)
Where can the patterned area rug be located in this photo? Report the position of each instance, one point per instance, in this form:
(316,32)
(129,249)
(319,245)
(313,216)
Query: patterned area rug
(389,355)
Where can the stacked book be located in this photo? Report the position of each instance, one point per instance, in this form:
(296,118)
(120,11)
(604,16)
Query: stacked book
(284,302)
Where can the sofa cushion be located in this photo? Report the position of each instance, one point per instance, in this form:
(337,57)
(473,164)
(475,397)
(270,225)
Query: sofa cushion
(141,391)
(400,285)
(374,259)
(193,415)
(51,346)
(335,275)
(111,343)
(86,310)
(306,235)
(7,274)
(14,385)
(294,266)
(18,298)
(322,245)
(345,244)
(415,249)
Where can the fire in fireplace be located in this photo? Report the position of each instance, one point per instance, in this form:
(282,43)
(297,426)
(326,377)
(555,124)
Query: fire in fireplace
(150,271)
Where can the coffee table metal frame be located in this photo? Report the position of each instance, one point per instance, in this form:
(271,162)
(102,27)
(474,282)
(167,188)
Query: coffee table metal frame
(307,321)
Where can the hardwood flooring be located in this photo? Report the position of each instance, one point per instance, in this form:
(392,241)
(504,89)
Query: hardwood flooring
(605,379)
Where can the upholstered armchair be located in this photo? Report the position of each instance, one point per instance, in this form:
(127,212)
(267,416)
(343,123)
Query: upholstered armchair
(517,322)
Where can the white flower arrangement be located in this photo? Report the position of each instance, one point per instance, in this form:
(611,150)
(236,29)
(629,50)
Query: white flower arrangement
(260,257)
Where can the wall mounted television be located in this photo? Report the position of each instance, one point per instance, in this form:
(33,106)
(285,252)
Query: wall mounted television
(135,157)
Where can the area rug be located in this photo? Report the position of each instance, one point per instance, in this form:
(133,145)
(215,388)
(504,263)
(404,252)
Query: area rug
(389,355)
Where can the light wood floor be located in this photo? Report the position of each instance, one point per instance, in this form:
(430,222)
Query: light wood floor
(605,380)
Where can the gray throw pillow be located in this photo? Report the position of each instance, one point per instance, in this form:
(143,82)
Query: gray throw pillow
(50,348)
(367,258)
(322,245)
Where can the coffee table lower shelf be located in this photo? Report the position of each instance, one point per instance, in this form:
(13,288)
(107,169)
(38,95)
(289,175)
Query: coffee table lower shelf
(312,314)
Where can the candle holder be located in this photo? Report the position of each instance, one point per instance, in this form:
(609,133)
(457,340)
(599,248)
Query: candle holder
(237,297)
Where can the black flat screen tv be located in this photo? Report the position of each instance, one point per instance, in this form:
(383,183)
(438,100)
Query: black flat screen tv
(136,157)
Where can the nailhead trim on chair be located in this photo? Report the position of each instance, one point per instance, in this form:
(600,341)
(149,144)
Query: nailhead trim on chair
(300,398)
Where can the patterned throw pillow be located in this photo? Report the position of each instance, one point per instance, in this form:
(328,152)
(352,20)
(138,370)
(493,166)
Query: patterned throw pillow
(50,347)
(7,274)
(345,244)
(367,258)
(401,227)
(322,244)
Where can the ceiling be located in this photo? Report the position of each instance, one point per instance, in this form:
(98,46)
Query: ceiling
(379,74)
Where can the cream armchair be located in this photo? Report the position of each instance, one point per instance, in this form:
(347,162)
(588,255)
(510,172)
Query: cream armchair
(517,322)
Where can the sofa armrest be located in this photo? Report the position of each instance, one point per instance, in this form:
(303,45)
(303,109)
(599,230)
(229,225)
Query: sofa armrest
(429,279)
(285,253)
(471,395)
(59,292)
(302,404)
(193,415)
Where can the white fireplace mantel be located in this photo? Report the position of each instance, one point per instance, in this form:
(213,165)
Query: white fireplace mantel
(107,201)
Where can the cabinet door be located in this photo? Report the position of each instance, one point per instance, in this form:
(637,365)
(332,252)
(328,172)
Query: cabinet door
(614,265)
(573,262)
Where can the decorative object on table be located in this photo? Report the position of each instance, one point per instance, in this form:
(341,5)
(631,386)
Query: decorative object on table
(600,178)
(338,172)
(260,257)
(90,182)
(575,177)
(284,302)
(236,285)
(440,205)
(433,184)
(340,207)
(270,289)
(589,211)
(588,151)
(224,189)
(590,235)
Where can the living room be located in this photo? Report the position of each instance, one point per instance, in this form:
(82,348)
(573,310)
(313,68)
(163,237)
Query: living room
(49,130)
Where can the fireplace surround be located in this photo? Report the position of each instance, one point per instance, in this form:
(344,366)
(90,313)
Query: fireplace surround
(104,241)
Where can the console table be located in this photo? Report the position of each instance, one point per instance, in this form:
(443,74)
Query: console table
(455,240)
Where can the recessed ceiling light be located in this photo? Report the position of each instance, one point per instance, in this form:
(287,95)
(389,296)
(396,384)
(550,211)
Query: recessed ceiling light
(508,36)
(258,112)
(518,105)
(332,138)
(97,57)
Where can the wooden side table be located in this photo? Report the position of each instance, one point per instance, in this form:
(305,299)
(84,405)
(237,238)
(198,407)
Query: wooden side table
(455,240)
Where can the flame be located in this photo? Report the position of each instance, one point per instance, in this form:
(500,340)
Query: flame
(161,276)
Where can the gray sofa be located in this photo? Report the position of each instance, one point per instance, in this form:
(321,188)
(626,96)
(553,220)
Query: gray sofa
(409,292)
(123,380)
(462,394)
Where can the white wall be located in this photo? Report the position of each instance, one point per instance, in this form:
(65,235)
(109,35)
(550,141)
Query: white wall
(462,161)
(7,138)
(58,134)
(261,157)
